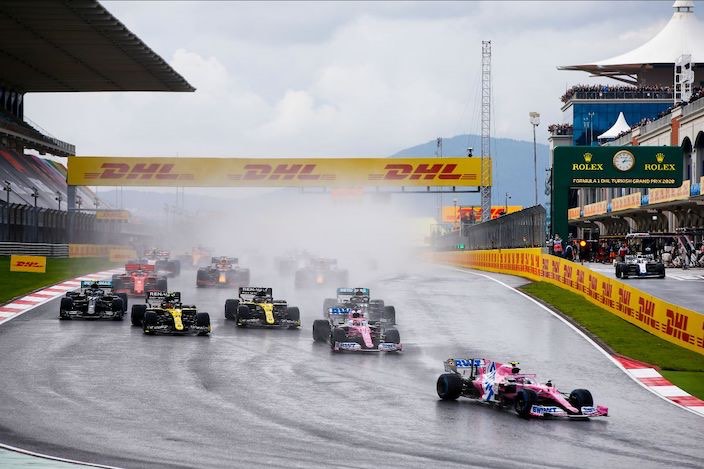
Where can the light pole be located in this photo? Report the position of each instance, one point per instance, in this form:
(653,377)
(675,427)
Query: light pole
(8,189)
(35,194)
(591,127)
(59,198)
(535,122)
(79,201)
(508,197)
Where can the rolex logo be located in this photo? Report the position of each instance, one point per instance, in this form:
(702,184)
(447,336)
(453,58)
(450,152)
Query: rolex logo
(660,157)
(587,157)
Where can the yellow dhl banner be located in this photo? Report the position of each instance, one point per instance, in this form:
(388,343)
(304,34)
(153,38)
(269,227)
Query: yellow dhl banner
(668,321)
(35,264)
(112,215)
(121,254)
(274,172)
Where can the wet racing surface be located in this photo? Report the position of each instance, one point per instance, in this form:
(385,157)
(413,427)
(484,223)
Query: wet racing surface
(105,393)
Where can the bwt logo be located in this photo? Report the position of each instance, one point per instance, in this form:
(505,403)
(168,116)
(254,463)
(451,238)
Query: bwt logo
(156,171)
(27,264)
(283,172)
(402,171)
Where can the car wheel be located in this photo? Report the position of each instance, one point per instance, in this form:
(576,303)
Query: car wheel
(618,272)
(449,386)
(580,398)
(117,306)
(390,314)
(66,305)
(321,330)
(338,335)
(242,313)
(293,314)
(150,319)
(392,335)
(525,399)
(123,297)
(203,320)
(231,308)
(137,314)
(162,285)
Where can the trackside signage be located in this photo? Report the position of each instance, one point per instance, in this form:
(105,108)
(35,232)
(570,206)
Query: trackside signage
(620,166)
(35,264)
(276,172)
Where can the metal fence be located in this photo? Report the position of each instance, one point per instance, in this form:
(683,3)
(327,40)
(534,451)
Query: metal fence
(34,249)
(516,230)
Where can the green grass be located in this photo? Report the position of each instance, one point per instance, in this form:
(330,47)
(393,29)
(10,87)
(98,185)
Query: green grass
(682,367)
(13,284)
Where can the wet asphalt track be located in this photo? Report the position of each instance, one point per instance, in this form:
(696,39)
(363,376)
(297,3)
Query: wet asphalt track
(105,393)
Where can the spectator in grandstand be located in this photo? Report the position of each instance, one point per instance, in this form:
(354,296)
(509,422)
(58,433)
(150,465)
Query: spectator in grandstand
(557,245)
(560,129)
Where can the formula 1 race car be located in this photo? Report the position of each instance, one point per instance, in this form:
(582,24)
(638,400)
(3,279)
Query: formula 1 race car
(92,301)
(640,265)
(504,385)
(223,272)
(349,329)
(198,257)
(138,279)
(163,264)
(376,310)
(320,271)
(164,314)
(256,307)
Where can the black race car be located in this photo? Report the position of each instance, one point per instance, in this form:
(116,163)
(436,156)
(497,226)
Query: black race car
(222,272)
(256,307)
(164,314)
(320,272)
(94,300)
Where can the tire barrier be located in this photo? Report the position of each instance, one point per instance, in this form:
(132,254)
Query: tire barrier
(676,324)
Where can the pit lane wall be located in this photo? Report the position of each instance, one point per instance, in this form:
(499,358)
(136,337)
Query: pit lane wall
(668,321)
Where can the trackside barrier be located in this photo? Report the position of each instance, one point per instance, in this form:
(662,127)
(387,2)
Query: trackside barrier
(676,324)
(34,249)
(93,250)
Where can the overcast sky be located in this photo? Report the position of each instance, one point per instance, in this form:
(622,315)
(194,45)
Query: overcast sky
(343,79)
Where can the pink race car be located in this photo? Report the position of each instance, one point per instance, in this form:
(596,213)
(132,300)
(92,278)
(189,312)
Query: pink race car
(504,385)
(349,329)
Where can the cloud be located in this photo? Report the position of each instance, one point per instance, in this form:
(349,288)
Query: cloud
(345,78)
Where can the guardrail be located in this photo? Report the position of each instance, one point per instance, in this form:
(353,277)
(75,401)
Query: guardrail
(34,249)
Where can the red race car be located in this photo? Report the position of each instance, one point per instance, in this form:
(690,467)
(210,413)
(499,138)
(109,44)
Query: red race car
(138,279)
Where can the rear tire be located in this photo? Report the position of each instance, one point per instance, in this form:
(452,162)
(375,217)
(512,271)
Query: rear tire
(525,399)
(203,320)
(321,330)
(293,314)
(580,398)
(242,313)
(390,315)
(123,297)
(231,308)
(137,314)
(449,386)
(162,285)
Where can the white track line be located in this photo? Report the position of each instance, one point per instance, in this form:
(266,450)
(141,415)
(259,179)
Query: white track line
(54,458)
(582,334)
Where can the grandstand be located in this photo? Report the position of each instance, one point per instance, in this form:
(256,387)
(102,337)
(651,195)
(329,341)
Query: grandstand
(656,117)
(60,46)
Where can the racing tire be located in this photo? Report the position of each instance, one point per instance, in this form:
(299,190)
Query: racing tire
(580,398)
(150,319)
(123,297)
(618,272)
(390,315)
(231,308)
(379,303)
(66,305)
(137,315)
(162,285)
(242,313)
(327,304)
(624,275)
(449,386)
(116,282)
(203,320)
(175,267)
(392,335)
(338,335)
(662,273)
(321,330)
(525,399)
(293,314)
(117,306)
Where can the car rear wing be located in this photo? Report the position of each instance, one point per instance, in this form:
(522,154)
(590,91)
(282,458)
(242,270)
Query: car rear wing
(229,260)
(134,267)
(156,296)
(106,284)
(250,292)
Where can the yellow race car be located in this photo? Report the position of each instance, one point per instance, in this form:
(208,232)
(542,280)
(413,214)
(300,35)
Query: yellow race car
(164,314)
(256,307)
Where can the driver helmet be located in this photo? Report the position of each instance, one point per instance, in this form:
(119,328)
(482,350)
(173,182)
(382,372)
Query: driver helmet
(261,296)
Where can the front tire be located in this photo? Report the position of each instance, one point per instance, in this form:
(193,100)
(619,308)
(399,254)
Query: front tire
(66,305)
(449,386)
(293,314)
(203,320)
(150,319)
(321,330)
(525,399)
(137,314)
(231,308)
(242,313)
(338,335)
(390,315)
(580,398)
(392,335)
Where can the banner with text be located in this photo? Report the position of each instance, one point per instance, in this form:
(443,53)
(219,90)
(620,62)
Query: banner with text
(276,172)
(668,321)
(36,264)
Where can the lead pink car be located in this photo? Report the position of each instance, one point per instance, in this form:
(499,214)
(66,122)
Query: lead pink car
(504,385)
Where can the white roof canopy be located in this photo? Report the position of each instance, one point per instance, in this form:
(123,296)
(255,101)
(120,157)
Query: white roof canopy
(619,126)
(683,34)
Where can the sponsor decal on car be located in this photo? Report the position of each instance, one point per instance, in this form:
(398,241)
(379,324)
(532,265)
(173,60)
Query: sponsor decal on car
(387,346)
(589,410)
(349,346)
(542,410)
